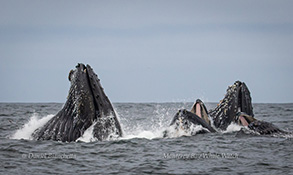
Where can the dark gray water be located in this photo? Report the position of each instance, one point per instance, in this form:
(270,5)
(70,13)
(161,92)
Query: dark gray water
(143,150)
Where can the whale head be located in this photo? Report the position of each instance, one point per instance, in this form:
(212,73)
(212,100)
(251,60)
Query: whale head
(87,93)
(237,99)
(86,105)
(184,120)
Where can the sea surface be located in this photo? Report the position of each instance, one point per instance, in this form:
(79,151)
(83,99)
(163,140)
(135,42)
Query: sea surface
(142,149)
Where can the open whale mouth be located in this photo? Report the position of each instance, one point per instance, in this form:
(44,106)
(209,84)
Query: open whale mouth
(260,127)
(244,119)
(200,110)
(184,119)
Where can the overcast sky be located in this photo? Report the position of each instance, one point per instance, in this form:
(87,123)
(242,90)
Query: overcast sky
(147,50)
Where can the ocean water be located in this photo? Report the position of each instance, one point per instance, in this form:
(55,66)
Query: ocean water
(142,149)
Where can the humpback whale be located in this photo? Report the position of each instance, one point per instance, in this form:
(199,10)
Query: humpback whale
(198,115)
(86,105)
(237,99)
(258,126)
(237,107)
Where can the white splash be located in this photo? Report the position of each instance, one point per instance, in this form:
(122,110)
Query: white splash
(233,127)
(34,123)
(144,134)
(173,131)
(88,135)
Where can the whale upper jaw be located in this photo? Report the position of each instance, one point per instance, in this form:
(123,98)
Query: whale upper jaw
(101,102)
(86,104)
(237,99)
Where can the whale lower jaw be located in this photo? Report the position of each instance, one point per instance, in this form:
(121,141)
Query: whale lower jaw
(185,119)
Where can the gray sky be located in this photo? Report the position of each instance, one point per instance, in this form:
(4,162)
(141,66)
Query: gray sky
(147,50)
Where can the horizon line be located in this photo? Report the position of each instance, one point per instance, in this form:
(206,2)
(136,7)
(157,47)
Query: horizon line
(137,102)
